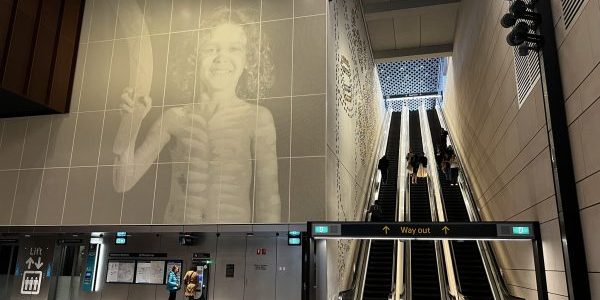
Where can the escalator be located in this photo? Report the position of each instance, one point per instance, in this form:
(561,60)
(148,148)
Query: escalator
(472,278)
(425,281)
(378,283)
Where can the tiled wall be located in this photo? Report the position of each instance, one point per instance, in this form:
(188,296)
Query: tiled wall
(355,112)
(579,54)
(504,147)
(63,170)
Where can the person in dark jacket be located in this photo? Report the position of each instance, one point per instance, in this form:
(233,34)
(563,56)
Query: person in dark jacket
(444,137)
(375,211)
(173,282)
(383,167)
(412,162)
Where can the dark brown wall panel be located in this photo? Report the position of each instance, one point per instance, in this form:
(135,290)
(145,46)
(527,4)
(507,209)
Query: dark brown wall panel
(66,55)
(7,8)
(38,50)
(16,74)
(47,37)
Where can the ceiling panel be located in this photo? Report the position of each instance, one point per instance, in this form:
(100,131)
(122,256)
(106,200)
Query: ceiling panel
(407,32)
(437,28)
(417,31)
(381,33)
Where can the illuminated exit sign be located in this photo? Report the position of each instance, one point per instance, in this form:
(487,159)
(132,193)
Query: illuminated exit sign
(330,229)
(520,230)
(322,229)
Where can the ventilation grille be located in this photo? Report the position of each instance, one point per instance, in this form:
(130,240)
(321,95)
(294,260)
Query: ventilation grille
(571,9)
(527,73)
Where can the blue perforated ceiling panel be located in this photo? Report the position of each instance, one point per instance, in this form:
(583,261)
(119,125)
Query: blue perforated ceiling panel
(410,77)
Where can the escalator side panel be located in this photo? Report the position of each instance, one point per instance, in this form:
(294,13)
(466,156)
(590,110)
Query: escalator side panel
(469,265)
(378,282)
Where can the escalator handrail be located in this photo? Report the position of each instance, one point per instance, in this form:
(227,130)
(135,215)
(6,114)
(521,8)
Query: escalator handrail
(489,258)
(359,267)
(402,200)
(407,254)
(435,209)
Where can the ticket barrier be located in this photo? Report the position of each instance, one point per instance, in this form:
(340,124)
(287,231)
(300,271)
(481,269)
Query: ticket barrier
(202,262)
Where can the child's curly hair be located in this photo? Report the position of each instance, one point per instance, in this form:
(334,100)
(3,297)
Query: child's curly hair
(248,84)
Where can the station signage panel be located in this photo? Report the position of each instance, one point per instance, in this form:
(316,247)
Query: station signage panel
(424,231)
(294,238)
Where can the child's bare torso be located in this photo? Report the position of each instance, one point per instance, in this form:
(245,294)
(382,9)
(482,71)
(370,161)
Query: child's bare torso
(214,145)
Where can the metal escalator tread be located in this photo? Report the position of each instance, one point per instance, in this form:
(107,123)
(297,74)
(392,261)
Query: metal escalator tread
(425,281)
(378,282)
(471,272)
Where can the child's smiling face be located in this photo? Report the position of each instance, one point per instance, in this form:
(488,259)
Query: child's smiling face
(223,57)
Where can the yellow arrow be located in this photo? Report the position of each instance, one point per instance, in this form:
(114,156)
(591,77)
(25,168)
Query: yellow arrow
(386,229)
(446,229)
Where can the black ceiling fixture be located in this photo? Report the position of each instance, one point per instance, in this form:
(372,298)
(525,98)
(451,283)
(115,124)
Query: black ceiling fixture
(523,20)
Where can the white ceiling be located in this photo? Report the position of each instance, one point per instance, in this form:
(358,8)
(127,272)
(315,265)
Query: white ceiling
(411,29)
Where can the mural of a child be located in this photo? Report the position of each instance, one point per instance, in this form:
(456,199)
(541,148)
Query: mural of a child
(228,144)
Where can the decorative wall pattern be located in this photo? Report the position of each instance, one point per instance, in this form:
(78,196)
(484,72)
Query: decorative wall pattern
(355,118)
(199,111)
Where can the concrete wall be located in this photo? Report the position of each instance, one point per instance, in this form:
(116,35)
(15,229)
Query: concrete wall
(506,147)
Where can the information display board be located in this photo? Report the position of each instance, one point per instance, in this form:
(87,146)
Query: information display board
(150,271)
(170,264)
(120,271)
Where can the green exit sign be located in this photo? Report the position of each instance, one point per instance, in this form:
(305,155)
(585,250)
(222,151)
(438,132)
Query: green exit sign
(520,230)
(321,229)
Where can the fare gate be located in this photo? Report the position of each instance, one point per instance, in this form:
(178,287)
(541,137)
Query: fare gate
(482,231)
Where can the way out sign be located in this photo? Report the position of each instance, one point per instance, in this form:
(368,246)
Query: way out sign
(33,263)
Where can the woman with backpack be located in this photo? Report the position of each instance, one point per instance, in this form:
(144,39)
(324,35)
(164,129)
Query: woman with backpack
(190,280)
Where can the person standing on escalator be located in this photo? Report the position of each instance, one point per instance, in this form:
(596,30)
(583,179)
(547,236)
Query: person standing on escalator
(412,162)
(383,167)
(422,161)
(454,166)
(443,137)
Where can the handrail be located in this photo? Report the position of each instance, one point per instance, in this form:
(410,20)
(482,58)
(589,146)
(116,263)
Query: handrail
(407,252)
(358,275)
(492,270)
(438,213)
(401,203)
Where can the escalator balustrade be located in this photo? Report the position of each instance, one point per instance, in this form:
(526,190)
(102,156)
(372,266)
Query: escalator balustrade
(378,283)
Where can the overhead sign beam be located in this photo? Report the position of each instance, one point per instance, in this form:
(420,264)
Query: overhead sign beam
(424,52)
(406,4)
(425,231)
